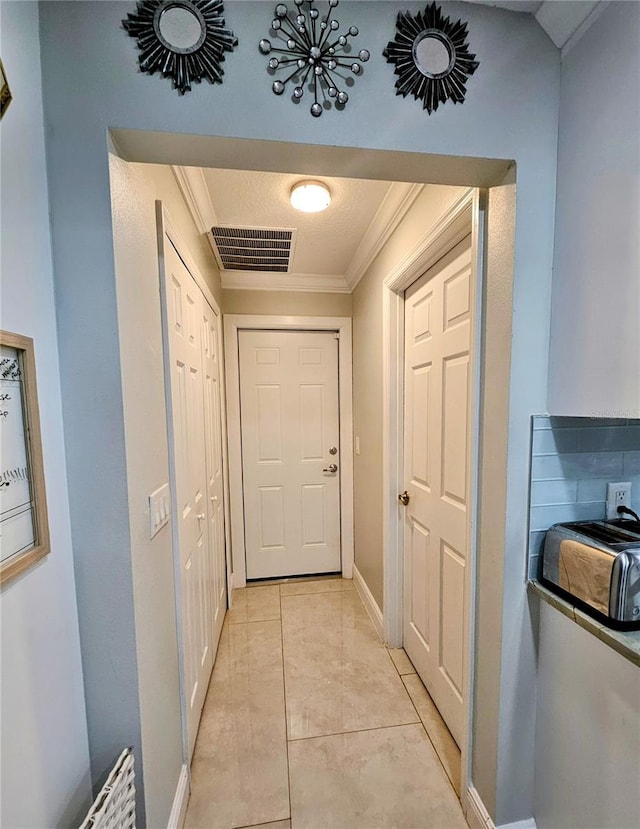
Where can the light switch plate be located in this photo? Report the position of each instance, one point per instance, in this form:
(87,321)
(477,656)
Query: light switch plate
(159,509)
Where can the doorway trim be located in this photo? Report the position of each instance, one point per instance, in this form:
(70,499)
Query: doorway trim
(466,215)
(342,325)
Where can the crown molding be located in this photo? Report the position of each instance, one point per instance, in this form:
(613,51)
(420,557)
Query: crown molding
(589,20)
(395,205)
(398,200)
(195,193)
(268,281)
(452,227)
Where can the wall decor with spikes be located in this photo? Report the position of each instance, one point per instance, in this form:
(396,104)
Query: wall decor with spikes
(184,40)
(315,57)
(431,57)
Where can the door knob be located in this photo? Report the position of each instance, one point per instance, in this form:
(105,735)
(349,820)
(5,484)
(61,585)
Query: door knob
(404,497)
(201,516)
(333,467)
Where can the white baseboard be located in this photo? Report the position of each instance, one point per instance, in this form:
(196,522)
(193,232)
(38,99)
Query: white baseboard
(180,801)
(479,818)
(475,811)
(369,602)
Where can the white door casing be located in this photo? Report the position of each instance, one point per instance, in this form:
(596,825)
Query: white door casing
(467,213)
(437,462)
(290,441)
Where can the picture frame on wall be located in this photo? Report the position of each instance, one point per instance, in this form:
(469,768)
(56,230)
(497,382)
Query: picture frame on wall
(5,92)
(24,527)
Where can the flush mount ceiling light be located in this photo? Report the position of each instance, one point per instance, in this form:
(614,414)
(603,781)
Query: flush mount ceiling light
(310,196)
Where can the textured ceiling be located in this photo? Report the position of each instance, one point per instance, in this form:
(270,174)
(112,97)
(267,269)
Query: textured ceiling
(514,5)
(325,242)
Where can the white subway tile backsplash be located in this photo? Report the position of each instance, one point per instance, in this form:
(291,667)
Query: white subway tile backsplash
(536,542)
(535,567)
(605,439)
(541,518)
(555,441)
(541,422)
(573,460)
(576,465)
(553,492)
(593,489)
(631,464)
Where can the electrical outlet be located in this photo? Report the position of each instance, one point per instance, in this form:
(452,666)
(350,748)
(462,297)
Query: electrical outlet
(618,495)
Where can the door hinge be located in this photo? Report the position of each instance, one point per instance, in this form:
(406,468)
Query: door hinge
(336,335)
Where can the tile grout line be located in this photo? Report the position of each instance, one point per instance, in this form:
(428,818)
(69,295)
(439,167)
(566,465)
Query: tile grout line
(255,622)
(268,823)
(316,593)
(356,731)
(426,731)
(286,718)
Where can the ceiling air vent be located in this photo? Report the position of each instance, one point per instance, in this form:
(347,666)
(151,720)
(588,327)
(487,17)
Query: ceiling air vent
(253,248)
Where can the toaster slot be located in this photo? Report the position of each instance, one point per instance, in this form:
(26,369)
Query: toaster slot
(626,525)
(605,533)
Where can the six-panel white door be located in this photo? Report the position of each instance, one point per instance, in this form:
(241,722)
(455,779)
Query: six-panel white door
(437,470)
(213,467)
(191,396)
(290,438)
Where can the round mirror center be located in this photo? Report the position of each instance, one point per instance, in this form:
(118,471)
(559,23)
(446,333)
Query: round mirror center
(431,56)
(180,27)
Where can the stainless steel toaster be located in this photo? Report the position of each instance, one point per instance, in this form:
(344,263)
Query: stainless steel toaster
(596,564)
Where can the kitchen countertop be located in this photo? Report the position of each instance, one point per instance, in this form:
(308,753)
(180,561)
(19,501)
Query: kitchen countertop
(625,642)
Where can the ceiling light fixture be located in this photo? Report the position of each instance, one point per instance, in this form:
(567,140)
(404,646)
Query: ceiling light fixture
(310,196)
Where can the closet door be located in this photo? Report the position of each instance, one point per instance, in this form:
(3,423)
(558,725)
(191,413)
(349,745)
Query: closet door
(213,463)
(185,333)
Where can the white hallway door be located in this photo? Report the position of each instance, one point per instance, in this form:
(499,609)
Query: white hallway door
(290,452)
(437,468)
(195,426)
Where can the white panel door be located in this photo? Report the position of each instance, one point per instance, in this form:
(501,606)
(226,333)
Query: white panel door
(290,425)
(184,308)
(217,575)
(437,470)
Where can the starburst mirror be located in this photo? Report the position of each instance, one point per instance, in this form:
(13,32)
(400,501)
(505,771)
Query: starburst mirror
(431,57)
(184,40)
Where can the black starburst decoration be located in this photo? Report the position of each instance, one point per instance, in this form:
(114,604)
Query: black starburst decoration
(316,53)
(415,36)
(184,64)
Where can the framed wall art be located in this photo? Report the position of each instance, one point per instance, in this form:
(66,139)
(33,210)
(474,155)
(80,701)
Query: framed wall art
(24,528)
(5,92)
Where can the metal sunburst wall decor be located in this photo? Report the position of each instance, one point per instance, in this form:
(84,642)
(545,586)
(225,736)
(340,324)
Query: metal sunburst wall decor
(315,51)
(184,40)
(431,57)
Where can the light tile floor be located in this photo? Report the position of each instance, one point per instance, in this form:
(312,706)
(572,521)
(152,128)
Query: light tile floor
(310,722)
